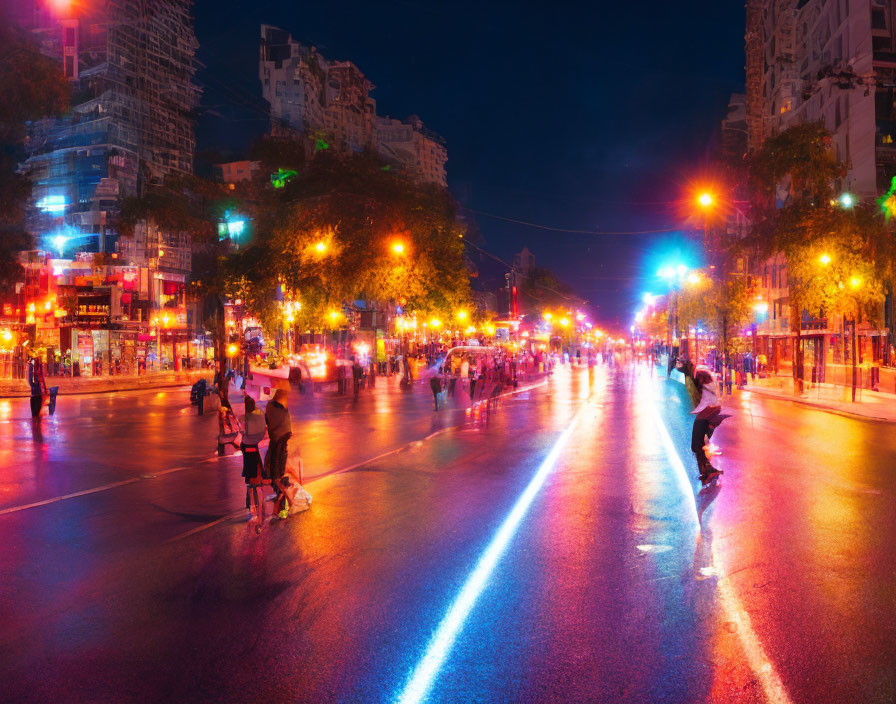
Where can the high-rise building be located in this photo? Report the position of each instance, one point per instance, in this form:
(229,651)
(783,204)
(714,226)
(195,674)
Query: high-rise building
(330,102)
(834,62)
(102,302)
(131,66)
(755,66)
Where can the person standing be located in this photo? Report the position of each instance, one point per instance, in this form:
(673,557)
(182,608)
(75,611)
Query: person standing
(357,376)
(279,427)
(38,385)
(254,430)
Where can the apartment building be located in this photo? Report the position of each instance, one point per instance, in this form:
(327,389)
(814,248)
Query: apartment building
(330,102)
(832,61)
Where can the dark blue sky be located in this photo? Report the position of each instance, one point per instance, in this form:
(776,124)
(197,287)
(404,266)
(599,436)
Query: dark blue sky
(576,115)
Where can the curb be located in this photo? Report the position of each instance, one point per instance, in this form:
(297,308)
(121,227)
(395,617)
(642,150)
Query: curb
(103,389)
(818,407)
(803,402)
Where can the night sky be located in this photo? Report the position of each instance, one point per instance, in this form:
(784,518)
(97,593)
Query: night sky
(573,115)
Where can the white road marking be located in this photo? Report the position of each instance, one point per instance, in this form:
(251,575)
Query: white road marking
(757,659)
(424,675)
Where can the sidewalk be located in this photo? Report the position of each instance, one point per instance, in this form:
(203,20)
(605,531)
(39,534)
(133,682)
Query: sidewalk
(14,388)
(873,405)
(869,405)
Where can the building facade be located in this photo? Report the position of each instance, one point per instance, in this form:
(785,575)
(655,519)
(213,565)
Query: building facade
(233,172)
(93,301)
(330,102)
(417,151)
(832,61)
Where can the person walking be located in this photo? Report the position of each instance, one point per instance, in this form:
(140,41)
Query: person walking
(279,428)
(38,385)
(357,376)
(435,383)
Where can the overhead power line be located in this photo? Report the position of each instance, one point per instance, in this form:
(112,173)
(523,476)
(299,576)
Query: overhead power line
(539,226)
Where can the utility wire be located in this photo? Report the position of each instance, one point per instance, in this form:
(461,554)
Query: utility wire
(570,230)
(573,298)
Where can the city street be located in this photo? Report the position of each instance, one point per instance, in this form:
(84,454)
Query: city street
(559,552)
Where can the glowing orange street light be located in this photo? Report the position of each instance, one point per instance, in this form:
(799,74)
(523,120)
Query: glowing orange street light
(461,315)
(398,248)
(564,322)
(705,199)
(548,317)
(320,247)
(824,259)
(694,278)
(855,282)
(232,350)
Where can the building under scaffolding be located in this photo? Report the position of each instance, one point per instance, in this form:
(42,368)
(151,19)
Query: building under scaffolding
(131,66)
(95,303)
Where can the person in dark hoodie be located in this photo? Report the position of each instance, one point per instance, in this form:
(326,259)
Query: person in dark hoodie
(279,426)
(435,384)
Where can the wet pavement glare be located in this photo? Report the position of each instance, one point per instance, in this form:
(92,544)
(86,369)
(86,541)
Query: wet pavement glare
(130,573)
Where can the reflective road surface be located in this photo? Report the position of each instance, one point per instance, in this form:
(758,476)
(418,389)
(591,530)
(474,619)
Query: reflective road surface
(559,552)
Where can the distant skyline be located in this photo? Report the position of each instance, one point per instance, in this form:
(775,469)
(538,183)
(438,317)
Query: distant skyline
(574,117)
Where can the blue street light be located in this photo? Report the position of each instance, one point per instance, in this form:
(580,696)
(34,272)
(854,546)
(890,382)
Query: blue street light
(847,200)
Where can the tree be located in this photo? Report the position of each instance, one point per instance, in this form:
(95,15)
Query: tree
(352,230)
(721,307)
(194,206)
(793,175)
(839,265)
(31,87)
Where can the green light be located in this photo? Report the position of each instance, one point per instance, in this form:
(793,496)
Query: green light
(320,145)
(280,179)
(888,202)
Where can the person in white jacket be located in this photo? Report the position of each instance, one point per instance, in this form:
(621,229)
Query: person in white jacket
(709,415)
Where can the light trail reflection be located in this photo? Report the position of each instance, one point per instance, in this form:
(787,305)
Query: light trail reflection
(423,676)
(759,662)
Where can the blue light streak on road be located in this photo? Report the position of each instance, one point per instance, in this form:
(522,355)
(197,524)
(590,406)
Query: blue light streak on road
(681,474)
(421,680)
(734,610)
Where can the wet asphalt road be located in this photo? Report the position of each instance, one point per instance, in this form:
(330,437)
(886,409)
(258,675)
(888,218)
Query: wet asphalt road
(618,583)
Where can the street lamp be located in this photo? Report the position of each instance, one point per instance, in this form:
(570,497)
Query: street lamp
(705,200)
(847,200)
(547,316)
(320,247)
(461,315)
(398,247)
(824,259)
(855,282)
